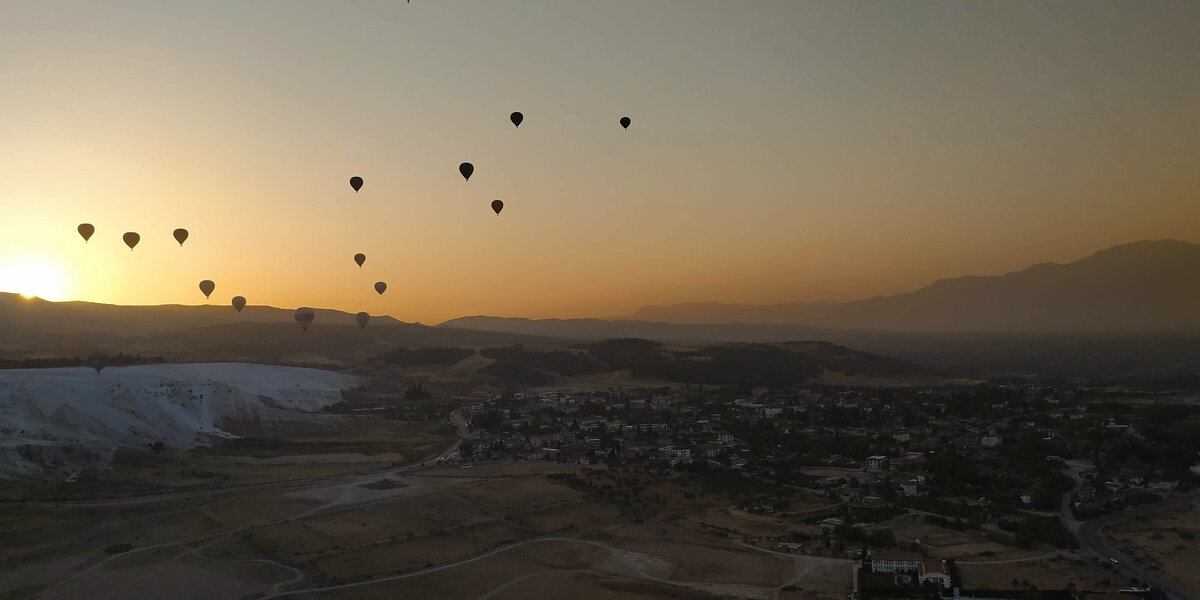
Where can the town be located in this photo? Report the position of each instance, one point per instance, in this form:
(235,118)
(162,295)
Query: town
(878,475)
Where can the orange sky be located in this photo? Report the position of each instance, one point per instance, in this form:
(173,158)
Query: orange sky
(779,150)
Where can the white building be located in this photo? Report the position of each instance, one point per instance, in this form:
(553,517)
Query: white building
(908,568)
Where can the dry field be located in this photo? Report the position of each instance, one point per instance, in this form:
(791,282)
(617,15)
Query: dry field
(1166,542)
(502,531)
(943,542)
(1055,572)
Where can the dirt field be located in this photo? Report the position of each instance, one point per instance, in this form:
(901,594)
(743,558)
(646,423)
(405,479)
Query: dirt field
(1167,542)
(501,531)
(944,543)
(1055,572)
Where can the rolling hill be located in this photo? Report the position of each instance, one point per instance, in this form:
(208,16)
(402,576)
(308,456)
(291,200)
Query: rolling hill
(37,328)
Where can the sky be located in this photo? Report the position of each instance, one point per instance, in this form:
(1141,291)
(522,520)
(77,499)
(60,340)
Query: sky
(779,150)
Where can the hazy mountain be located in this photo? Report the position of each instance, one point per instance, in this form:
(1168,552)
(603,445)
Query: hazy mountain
(1148,286)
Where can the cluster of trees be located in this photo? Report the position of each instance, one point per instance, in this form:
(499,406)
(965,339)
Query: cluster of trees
(517,364)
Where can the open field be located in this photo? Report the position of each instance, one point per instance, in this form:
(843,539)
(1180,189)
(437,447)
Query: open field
(944,542)
(1165,542)
(1052,572)
(501,531)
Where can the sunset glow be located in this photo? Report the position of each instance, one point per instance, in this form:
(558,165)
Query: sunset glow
(792,151)
(33,276)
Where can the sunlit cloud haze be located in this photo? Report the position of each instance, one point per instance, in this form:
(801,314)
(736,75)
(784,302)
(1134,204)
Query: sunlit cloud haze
(779,150)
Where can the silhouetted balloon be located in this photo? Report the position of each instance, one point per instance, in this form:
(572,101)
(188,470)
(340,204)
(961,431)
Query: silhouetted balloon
(497,205)
(181,236)
(360,258)
(380,287)
(304,316)
(86,230)
(98,361)
(625,122)
(356,183)
(207,286)
(131,239)
(239,303)
(516,118)
(362,319)
(466,169)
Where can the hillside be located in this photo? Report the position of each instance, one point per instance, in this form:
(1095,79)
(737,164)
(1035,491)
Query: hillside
(37,328)
(1144,287)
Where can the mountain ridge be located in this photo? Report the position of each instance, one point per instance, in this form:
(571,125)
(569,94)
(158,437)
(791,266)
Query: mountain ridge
(1143,286)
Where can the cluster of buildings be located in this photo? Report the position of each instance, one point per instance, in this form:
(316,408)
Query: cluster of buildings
(848,442)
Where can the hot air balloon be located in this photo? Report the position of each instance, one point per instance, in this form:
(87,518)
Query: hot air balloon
(516,118)
(304,316)
(625,122)
(466,169)
(207,286)
(497,205)
(362,319)
(180,236)
(360,258)
(98,361)
(239,303)
(380,287)
(356,183)
(86,230)
(131,239)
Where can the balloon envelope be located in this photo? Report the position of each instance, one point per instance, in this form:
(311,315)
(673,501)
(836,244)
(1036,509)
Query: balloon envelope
(356,183)
(98,361)
(131,239)
(181,236)
(86,230)
(625,122)
(239,303)
(497,205)
(362,319)
(516,119)
(360,258)
(380,287)
(207,286)
(466,169)
(305,317)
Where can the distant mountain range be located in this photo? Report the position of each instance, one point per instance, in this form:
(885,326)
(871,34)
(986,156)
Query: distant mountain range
(1148,286)
(1124,310)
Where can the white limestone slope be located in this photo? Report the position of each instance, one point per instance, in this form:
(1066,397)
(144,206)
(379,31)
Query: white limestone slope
(55,420)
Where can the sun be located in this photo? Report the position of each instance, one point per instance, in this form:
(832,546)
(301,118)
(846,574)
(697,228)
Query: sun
(34,276)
